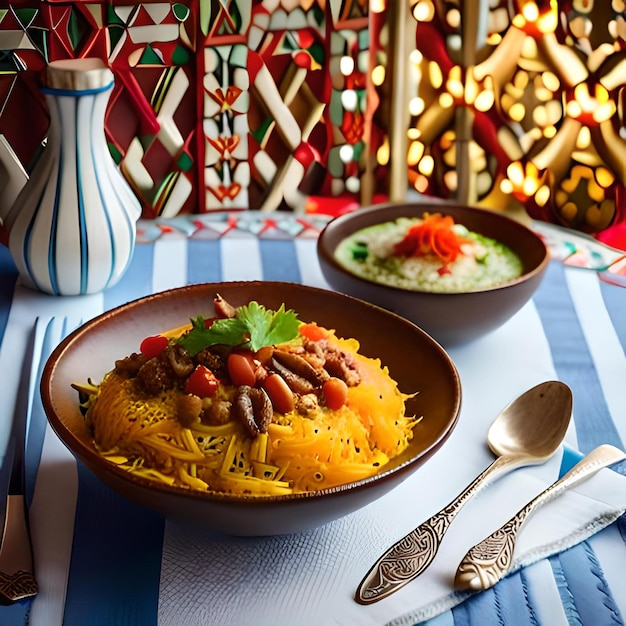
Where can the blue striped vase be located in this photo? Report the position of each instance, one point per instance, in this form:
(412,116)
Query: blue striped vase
(72,227)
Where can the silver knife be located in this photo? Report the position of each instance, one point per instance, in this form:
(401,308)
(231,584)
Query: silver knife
(17,580)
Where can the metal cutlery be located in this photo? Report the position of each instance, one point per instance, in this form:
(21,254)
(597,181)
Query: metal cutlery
(17,580)
(528,431)
(491,559)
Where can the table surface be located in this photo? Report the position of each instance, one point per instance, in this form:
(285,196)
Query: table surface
(574,329)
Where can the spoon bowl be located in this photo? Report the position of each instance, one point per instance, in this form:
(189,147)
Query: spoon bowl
(534,424)
(526,432)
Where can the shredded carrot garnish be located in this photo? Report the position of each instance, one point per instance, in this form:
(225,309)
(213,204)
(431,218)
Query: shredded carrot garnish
(434,235)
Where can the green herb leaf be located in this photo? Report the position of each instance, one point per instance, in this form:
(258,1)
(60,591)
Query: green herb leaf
(253,327)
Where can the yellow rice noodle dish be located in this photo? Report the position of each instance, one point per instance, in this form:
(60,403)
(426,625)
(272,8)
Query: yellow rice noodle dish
(251,402)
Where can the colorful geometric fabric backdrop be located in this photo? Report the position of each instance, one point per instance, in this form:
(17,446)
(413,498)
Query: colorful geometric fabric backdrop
(266,104)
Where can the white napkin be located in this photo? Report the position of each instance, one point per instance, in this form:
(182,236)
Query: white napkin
(311,578)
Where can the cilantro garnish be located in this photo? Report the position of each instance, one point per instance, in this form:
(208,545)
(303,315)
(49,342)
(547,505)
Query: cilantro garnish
(253,327)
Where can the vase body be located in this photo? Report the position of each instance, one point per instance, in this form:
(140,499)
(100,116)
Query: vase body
(72,227)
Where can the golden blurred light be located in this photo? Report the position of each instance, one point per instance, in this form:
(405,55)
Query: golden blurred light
(594,191)
(416,57)
(530,186)
(423,11)
(605,177)
(507,101)
(477,158)
(542,196)
(382,154)
(517,112)
(421,184)
(506,186)
(551,81)
(451,180)
(582,6)
(454,84)
(378,75)
(583,140)
(604,112)
(485,100)
(415,152)
(446,100)
(554,111)
(586,107)
(453,18)
(573,109)
(426,165)
(449,157)
(521,80)
(471,89)
(530,12)
(529,48)
(580,27)
(378,6)
(543,95)
(515,174)
(434,75)
(549,132)
(524,181)
(448,139)
(548,23)
(416,105)
(413,133)
(540,116)
(569,211)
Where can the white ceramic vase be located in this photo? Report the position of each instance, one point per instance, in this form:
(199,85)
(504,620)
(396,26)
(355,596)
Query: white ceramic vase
(72,227)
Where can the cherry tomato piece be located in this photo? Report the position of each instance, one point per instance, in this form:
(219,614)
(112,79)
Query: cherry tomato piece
(202,382)
(313,332)
(153,346)
(279,393)
(241,369)
(335,393)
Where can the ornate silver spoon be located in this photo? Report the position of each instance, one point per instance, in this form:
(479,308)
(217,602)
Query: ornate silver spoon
(527,432)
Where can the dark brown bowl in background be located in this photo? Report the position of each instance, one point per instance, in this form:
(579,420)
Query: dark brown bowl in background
(417,362)
(450,318)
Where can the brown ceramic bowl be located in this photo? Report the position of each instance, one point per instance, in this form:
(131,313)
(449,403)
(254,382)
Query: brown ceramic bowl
(450,318)
(416,361)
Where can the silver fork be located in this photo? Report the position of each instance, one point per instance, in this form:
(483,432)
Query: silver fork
(17,578)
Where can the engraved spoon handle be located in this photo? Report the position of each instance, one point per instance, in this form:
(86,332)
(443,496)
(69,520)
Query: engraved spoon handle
(411,555)
(488,561)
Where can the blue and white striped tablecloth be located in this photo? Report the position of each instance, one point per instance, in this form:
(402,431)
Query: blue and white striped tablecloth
(104,561)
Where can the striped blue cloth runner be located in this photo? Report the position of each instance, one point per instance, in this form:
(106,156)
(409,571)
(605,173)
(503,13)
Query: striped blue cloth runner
(574,330)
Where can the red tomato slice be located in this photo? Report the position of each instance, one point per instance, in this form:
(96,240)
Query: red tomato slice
(241,369)
(313,332)
(202,382)
(153,346)
(335,393)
